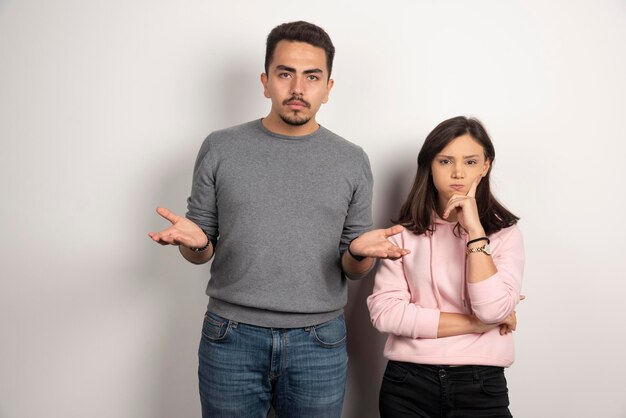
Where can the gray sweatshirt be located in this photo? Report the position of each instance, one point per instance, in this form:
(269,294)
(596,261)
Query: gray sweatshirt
(284,209)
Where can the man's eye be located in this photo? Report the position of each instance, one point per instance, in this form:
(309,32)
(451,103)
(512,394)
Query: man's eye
(472,162)
(284,75)
(313,78)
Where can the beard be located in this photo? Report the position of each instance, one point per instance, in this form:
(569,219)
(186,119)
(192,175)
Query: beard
(294,120)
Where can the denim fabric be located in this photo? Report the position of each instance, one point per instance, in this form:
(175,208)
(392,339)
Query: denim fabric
(243,369)
(426,391)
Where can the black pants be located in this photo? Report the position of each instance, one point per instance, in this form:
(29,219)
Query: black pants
(426,391)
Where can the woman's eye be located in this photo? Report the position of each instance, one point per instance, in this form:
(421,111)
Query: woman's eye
(444,161)
(472,162)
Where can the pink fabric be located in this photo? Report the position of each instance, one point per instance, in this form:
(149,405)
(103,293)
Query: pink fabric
(410,293)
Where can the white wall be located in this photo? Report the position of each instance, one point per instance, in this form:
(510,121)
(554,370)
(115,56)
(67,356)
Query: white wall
(103,106)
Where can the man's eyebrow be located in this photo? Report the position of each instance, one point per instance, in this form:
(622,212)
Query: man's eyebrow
(293,70)
(285,68)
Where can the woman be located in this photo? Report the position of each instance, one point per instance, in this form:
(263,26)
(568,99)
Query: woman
(449,306)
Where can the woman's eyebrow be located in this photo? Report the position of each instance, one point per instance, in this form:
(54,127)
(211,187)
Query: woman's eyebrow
(452,158)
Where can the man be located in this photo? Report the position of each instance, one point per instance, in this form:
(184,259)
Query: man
(287,199)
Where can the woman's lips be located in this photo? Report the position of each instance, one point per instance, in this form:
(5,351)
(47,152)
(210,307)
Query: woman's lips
(457,186)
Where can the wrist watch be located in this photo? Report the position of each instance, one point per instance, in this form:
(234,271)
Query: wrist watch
(486,249)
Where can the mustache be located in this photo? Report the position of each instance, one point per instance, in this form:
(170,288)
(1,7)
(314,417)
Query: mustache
(296,98)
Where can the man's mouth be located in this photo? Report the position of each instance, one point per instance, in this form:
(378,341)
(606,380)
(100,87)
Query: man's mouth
(297,104)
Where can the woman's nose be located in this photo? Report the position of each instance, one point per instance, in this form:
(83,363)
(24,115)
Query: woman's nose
(458,171)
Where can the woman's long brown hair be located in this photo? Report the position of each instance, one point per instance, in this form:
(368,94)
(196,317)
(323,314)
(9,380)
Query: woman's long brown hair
(416,214)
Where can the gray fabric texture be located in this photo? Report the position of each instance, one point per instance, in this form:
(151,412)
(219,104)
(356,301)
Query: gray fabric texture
(284,209)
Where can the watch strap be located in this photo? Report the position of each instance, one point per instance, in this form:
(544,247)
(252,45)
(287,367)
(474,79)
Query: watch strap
(485,249)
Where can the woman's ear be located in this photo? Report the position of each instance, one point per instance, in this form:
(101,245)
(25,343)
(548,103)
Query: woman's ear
(486,167)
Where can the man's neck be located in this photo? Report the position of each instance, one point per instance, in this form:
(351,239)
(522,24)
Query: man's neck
(276,125)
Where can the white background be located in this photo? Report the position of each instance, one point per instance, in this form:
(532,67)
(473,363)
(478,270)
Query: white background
(103,106)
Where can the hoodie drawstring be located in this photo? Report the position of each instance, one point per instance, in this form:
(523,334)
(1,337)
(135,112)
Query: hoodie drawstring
(432,276)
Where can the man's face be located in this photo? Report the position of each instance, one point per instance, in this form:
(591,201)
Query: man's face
(297,84)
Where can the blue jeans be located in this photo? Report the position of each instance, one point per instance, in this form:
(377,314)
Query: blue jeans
(425,391)
(243,369)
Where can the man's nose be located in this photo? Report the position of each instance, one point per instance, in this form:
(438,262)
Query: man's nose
(296,86)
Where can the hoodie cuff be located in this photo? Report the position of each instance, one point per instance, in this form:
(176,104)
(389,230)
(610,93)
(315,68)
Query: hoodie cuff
(427,323)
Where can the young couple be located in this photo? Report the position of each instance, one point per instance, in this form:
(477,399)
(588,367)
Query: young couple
(284,206)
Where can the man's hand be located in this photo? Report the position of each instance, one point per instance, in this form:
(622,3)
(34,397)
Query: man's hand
(181,232)
(377,245)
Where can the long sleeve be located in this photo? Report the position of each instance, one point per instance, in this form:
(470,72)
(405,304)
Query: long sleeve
(202,203)
(495,298)
(359,216)
(391,307)
(412,293)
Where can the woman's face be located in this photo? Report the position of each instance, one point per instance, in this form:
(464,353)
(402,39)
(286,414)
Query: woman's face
(457,165)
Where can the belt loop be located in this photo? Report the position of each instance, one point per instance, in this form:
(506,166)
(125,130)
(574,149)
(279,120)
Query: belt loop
(475,373)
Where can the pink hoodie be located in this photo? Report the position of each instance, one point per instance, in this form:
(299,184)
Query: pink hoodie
(409,294)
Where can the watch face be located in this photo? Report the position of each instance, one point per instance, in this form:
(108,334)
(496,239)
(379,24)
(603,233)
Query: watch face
(487,249)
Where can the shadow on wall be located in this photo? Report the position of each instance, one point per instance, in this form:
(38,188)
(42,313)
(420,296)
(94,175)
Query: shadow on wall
(365,344)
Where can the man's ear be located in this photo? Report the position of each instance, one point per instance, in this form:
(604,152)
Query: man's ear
(266,93)
(329,87)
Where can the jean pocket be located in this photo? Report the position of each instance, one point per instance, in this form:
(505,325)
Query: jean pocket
(215,328)
(494,385)
(395,373)
(330,334)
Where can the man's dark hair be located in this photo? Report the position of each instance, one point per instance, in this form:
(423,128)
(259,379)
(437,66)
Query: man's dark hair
(300,32)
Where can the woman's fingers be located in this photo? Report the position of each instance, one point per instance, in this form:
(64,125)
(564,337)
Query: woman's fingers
(472,190)
(456,201)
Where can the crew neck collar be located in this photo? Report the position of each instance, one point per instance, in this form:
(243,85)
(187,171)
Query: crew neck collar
(259,123)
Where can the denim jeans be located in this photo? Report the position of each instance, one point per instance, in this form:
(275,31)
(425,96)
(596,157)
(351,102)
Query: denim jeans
(243,369)
(425,391)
